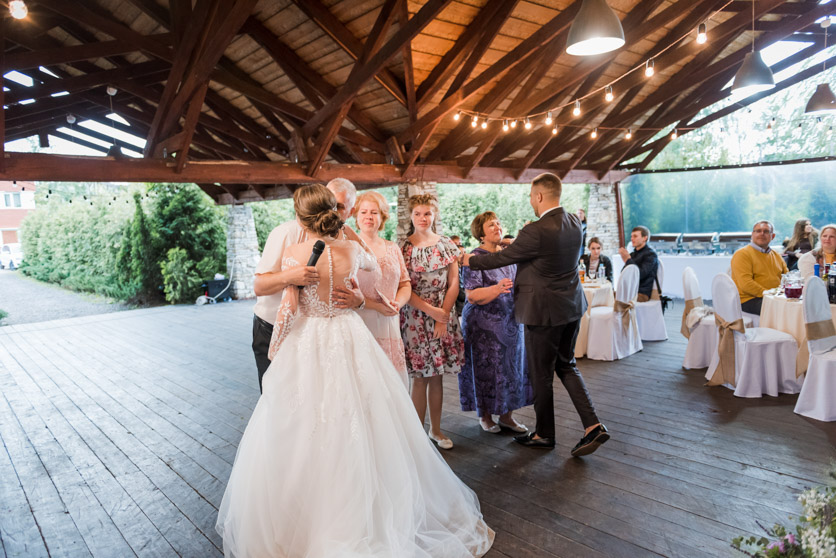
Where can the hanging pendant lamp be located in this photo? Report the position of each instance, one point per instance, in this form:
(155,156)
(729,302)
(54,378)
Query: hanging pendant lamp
(823,101)
(596,30)
(754,75)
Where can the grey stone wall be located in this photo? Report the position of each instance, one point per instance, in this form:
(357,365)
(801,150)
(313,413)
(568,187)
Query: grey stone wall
(601,216)
(242,253)
(406,190)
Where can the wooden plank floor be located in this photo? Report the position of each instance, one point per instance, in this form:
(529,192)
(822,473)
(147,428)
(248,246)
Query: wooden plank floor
(119,431)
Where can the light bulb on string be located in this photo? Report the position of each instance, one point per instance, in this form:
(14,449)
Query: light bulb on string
(702,37)
(608,95)
(594,133)
(629,134)
(514,123)
(674,135)
(577,110)
(457,115)
(18,9)
(649,68)
(474,121)
(549,118)
(504,125)
(485,124)
(527,123)
(554,130)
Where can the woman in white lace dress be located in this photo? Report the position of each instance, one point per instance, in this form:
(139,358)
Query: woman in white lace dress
(334,463)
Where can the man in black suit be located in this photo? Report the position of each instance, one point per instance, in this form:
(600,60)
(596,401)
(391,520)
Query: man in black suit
(549,301)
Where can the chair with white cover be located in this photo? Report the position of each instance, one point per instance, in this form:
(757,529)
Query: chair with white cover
(613,332)
(818,394)
(702,337)
(754,361)
(649,314)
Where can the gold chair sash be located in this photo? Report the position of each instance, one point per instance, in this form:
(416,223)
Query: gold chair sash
(690,304)
(820,330)
(724,374)
(624,308)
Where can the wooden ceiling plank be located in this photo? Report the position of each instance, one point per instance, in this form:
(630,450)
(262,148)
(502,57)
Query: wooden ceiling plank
(451,60)
(361,73)
(543,35)
(192,114)
(408,69)
(66,54)
(335,29)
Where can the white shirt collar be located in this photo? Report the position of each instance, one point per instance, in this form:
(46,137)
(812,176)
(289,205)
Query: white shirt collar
(759,249)
(546,211)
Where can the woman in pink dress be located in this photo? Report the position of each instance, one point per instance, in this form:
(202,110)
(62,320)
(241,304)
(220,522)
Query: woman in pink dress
(387,288)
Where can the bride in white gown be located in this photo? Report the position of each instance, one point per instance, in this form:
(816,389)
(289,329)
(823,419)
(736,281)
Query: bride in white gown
(334,462)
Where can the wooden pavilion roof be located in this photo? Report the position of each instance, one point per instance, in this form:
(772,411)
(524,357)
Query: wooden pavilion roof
(249,98)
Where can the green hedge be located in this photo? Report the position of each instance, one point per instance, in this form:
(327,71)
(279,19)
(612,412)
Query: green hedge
(118,246)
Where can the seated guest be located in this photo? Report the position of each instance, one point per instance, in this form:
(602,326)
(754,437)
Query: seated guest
(645,258)
(824,254)
(595,258)
(803,240)
(757,268)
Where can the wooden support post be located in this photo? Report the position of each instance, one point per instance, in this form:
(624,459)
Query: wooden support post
(619,215)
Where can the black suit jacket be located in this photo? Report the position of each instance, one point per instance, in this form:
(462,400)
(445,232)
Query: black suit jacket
(602,259)
(548,291)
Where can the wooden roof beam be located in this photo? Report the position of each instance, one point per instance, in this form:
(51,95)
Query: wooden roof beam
(408,69)
(335,29)
(66,54)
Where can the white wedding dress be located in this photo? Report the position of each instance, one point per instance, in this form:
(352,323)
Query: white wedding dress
(334,462)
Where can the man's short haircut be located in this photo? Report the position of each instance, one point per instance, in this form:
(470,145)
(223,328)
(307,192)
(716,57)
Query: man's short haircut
(771,226)
(344,185)
(644,230)
(550,183)
(455,237)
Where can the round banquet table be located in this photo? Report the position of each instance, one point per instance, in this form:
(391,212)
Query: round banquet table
(597,294)
(785,314)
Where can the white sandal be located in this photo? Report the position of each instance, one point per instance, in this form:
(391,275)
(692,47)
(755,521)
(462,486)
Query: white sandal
(516,427)
(443,443)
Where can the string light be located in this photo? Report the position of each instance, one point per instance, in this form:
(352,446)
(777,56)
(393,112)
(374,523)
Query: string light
(70,119)
(702,37)
(549,118)
(577,110)
(648,68)
(504,125)
(629,134)
(609,96)
(527,123)
(457,115)
(514,123)
(18,9)
(594,133)
(474,121)
(554,130)
(484,124)
(674,135)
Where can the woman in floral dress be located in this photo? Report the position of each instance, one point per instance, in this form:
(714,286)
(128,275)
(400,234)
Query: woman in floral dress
(430,330)
(493,379)
(386,289)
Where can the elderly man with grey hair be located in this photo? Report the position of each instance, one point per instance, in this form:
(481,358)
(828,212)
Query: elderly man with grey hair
(271,280)
(756,268)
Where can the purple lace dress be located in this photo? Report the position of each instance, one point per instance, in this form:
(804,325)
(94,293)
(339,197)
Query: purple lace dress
(494,377)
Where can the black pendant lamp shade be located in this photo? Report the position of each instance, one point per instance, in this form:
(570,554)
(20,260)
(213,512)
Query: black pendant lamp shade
(596,30)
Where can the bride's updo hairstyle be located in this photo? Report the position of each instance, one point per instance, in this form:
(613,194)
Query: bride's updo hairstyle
(316,209)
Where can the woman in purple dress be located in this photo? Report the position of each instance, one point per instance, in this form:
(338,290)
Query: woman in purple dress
(493,380)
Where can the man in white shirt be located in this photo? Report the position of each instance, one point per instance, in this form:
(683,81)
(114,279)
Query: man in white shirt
(271,280)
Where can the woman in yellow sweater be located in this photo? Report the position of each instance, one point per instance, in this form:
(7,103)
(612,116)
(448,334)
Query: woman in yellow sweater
(757,268)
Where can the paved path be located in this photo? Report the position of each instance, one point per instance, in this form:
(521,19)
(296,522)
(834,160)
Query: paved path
(27,300)
(118,433)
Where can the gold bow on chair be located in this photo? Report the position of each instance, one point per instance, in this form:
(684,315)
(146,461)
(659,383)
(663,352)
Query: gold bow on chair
(820,330)
(724,374)
(624,308)
(690,304)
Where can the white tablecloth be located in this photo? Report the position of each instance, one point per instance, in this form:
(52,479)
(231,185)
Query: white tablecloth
(596,295)
(706,267)
(783,314)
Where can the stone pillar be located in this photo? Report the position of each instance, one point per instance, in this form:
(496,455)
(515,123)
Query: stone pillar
(405,190)
(242,253)
(601,217)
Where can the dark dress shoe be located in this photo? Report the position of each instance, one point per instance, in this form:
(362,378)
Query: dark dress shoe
(591,441)
(532,442)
